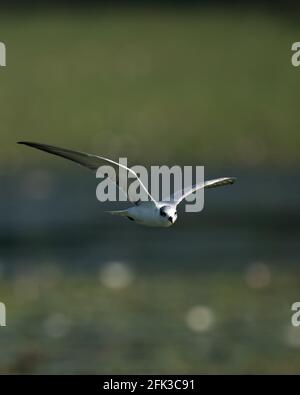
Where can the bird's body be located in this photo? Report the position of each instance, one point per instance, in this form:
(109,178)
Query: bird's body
(148,213)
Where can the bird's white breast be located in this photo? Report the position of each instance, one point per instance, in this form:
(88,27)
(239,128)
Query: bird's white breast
(147,214)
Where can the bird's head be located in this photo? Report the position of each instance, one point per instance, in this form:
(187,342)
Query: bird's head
(168,214)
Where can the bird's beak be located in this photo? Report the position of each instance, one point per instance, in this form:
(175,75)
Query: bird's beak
(170,219)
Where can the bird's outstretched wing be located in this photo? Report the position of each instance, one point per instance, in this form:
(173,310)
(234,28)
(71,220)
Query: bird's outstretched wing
(178,196)
(93,162)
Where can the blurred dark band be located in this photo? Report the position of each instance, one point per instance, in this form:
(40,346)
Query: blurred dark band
(32,4)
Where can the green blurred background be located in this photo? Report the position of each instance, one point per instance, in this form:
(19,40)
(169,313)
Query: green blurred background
(89,293)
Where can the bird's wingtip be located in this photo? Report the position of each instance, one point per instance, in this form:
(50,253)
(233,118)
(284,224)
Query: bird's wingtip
(29,143)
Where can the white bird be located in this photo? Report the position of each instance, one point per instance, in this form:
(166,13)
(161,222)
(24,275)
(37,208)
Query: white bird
(149,213)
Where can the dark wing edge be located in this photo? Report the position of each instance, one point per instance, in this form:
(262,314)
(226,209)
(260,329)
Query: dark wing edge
(82,158)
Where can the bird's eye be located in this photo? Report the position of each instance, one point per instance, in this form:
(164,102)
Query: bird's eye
(175,212)
(162,213)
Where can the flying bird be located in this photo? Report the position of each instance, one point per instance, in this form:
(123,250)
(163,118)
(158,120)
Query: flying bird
(149,213)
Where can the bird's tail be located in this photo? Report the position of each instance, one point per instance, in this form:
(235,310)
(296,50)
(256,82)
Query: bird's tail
(122,213)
